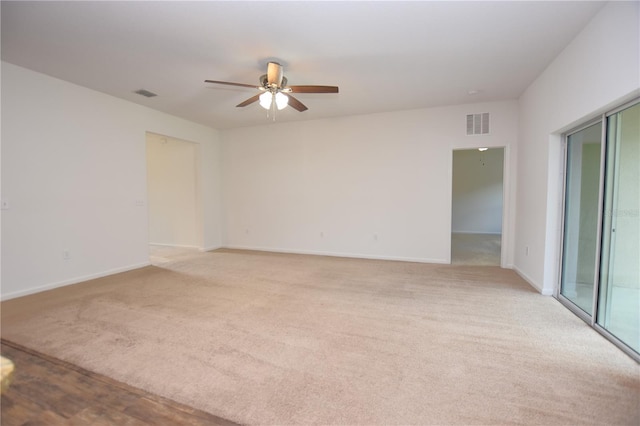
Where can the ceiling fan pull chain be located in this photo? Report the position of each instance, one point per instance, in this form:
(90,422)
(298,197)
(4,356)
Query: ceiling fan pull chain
(273,106)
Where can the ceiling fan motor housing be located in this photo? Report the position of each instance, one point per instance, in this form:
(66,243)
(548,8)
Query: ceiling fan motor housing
(275,73)
(264,82)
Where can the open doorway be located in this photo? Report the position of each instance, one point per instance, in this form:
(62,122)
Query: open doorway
(477,206)
(173,196)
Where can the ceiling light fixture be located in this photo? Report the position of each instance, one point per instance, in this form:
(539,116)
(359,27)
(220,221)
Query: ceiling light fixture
(267,99)
(482,149)
(276,93)
(282,100)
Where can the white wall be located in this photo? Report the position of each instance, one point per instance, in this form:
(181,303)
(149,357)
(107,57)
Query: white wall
(477,191)
(173,191)
(74,173)
(376,186)
(598,70)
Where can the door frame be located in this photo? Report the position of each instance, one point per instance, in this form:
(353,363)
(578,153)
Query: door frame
(506,235)
(197,172)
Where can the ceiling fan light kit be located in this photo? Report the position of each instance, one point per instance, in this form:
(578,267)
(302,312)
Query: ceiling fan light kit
(276,92)
(267,99)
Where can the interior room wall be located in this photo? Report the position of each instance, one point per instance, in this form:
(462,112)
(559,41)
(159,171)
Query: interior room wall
(375,186)
(477,191)
(598,70)
(74,175)
(173,191)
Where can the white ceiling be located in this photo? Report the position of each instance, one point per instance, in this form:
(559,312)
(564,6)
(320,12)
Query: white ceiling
(384,56)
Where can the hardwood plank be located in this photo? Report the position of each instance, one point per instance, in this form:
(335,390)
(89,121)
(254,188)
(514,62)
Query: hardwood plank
(49,391)
(46,418)
(156,412)
(97,417)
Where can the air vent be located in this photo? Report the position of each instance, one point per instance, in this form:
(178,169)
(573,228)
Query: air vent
(478,124)
(145,93)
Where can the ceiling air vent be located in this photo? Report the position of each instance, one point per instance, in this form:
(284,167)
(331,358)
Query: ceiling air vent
(478,124)
(145,93)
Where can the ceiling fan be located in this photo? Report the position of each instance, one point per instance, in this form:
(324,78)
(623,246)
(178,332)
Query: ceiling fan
(275,93)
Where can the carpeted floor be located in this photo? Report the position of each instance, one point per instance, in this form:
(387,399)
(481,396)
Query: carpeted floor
(265,338)
(475,249)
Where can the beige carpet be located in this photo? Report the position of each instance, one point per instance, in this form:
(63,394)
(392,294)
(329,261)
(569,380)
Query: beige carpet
(475,249)
(264,338)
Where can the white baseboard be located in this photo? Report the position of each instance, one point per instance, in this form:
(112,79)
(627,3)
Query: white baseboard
(50,286)
(174,245)
(532,283)
(187,247)
(476,232)
(338,254)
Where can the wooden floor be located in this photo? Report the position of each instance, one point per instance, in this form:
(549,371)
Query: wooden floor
(48,391)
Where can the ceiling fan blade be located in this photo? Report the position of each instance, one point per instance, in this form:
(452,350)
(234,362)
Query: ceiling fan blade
(294,103)
(249,101)
(313,89)
(274,74)
(228,83)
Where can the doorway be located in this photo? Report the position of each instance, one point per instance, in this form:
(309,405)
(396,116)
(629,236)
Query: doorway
(173,194)
(477,206)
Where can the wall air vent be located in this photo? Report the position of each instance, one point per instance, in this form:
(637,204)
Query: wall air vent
(145,93)
(478,124)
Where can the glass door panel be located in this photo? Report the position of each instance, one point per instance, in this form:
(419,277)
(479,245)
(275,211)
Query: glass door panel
(619,295)
(580,240)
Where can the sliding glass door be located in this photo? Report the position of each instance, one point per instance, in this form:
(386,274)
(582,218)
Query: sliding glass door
(600,274)
(582,189)
(619,304)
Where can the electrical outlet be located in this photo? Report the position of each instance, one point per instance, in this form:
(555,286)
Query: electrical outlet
(526,250)
(66,255)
